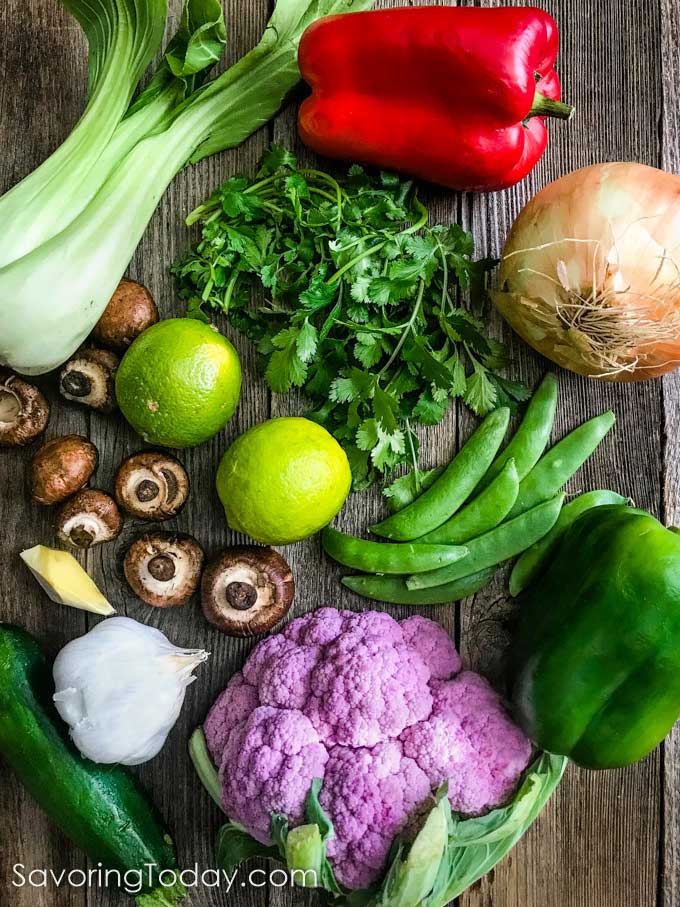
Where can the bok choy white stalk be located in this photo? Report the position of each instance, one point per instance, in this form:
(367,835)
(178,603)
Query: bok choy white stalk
(123,36)
(53,291)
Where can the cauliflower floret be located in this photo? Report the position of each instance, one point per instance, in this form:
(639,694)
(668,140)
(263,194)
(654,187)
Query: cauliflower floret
(238,701)
(470,741)
(370,685)
(369,794)
(434,645)
(268,765)
(319,628)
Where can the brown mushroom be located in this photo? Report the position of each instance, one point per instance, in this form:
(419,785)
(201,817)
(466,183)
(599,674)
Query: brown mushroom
(61,467)
(164,569)
(89,518)
(89,378)
(23,412)
(246,590)
(130,311)
(151,485)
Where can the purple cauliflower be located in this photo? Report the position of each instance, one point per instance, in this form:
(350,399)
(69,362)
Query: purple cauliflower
(379,712)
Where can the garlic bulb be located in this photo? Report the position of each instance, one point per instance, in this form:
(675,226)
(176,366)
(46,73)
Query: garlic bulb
(120,688)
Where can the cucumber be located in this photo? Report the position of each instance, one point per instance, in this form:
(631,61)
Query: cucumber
(101,808)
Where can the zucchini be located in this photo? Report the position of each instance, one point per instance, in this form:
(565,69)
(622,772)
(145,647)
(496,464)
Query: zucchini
(101,808)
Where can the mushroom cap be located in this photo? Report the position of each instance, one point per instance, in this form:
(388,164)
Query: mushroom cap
(246,590)
(24,412)
(164,569)
(151,485)
(88,518)
(88,378)
(61,467)
(130,311)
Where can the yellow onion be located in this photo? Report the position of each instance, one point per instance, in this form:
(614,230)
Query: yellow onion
(590,274)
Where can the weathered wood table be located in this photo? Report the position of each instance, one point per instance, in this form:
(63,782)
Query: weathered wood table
(606,840)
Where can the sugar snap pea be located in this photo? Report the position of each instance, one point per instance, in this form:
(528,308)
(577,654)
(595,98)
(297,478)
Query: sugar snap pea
(532,561)
(531,438)
(393,589)
(484,512)
(561,462)
(434,506)
(384,557)
(502,543)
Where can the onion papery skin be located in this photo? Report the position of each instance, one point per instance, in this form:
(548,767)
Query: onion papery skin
(590,273)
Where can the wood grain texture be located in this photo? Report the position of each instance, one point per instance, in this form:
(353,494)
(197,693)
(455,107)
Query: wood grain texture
(669,131)
(605,840)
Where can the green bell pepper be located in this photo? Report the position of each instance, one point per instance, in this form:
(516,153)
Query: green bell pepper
(597,672)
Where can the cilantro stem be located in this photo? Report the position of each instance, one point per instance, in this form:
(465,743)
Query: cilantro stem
(409,327)
(418,225)
(327,178)
(228,293)
(414,457)
(422,220)
(323,192)
(334,278)
(445,274)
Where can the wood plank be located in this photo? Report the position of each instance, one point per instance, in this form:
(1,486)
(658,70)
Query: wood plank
(669,881)
(596,843)
(46,46)
(192,816)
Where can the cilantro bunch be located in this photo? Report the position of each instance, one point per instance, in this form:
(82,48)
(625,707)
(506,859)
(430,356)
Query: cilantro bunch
(363,302)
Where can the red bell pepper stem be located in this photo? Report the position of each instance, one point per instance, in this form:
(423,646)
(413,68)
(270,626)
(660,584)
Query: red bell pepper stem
(548,107)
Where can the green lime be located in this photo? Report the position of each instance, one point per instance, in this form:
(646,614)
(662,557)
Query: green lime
(283,480)
(179,383)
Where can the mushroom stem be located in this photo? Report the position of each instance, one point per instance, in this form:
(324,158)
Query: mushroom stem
(76,384)
(241,596)
(162,568)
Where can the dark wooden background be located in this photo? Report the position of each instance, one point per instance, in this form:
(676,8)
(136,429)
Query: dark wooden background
(606,840)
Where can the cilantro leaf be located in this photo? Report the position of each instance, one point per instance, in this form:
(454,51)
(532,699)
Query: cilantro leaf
(372,319)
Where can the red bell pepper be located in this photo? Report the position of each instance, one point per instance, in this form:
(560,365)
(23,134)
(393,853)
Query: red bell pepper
(454,95)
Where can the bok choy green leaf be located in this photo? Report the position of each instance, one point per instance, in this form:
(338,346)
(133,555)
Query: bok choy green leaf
(123,36)
(83,217)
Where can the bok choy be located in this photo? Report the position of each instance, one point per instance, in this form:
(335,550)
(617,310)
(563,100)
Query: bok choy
(78,218)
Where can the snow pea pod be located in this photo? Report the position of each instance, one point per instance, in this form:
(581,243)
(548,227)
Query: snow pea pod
(381,557)
(393,589)
(484,512)
(532,561)
(531,438)
(502,543)
(434,506)
(561,462)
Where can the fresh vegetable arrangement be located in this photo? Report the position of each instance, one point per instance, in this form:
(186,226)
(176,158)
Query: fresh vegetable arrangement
(362,305)
(351,748)
(343,729)
(78,218)
(454,95)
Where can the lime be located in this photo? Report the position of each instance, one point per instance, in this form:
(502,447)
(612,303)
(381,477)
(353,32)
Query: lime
(283,480)
(179,383)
